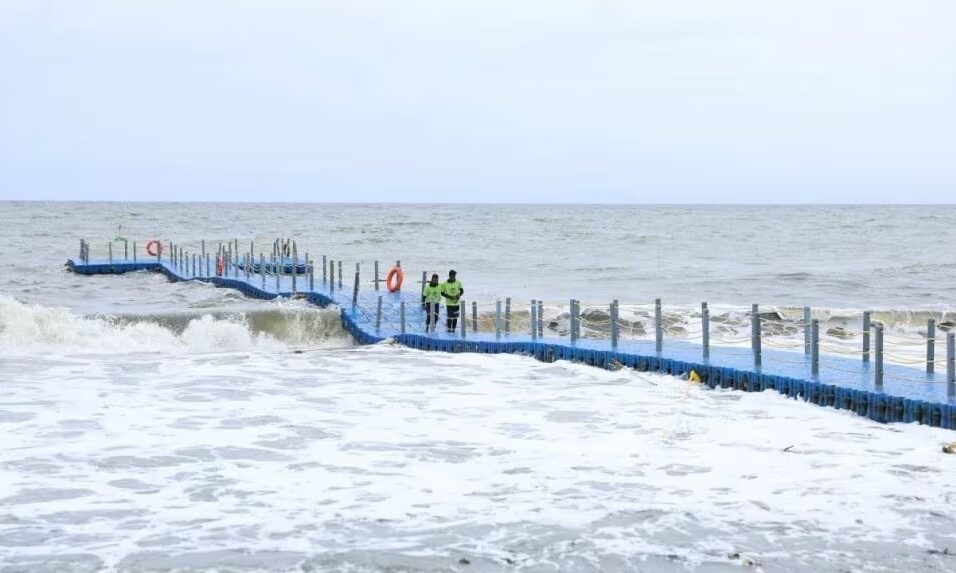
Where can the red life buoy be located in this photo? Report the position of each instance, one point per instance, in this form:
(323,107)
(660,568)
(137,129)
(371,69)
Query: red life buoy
(154,248)
(393,281)
(220,266)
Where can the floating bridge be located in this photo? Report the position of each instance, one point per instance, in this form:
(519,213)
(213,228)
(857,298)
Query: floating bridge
(873,388)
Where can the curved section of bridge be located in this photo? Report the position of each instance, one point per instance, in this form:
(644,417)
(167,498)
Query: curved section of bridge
(372,316)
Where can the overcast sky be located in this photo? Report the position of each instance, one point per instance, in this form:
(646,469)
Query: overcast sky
(484,101)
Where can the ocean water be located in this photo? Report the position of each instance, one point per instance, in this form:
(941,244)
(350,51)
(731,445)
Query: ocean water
(156,426)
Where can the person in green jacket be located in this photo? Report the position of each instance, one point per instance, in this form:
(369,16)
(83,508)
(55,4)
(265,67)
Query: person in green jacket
(431,300)
(452,291)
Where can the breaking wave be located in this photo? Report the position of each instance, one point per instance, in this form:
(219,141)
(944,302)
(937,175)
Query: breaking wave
(35,328)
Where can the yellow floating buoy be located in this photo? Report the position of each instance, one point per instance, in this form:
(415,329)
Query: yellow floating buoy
(693,376)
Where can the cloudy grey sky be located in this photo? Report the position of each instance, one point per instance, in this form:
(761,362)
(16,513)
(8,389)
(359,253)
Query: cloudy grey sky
(491,100)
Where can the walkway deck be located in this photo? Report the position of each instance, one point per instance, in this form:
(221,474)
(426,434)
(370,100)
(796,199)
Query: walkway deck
(842,383)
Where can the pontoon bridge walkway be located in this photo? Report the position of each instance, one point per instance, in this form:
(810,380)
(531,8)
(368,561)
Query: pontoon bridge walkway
(906,395)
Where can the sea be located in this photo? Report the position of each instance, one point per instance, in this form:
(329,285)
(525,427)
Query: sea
(155,426)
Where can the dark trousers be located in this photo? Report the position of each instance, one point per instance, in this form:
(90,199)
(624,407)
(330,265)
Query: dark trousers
(431,316)
(451,318)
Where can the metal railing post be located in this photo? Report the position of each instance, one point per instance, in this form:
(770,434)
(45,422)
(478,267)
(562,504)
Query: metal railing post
(658,326)
(878,370)
(474,316)
(194,264)
(295,269)
(705,328)
(262,269)
(340,275)
(866,335)
(355,292)
(375,279)
(134,251)
(951,365)
(308,265)
(614,324)
(930,346)
(498,319)
(277,271)
(507,316)
(331,276)
(463,317)
(540,319)
(807,336)
(534,321)
(378,315)
(324,267)
(814,347)
(755,338)
(574,322)
(110,245)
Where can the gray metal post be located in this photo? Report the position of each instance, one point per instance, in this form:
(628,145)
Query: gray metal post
(507,316)
(498,319)
(134,251)
(755,341)
(355,292)
(807,341)
(534,321)
(574,319)
(705,328)
(378,315)
(331,276)
(277,271)
(295,268)
(340,275)
(208,266)
(324,267)
(202,244)
(125,250)
(540,319)
(658,326)
(308,265)
(878,371)
(464,316)
(951,365)
(930,345)
(262,269)
(194,264)
(814,347)
(614,324)
(866,336)
(402,306)
(474,316)
(375,279)
(110,244)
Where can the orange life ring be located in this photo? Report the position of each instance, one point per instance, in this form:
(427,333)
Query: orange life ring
(393,281)
(220,266)
(154,248)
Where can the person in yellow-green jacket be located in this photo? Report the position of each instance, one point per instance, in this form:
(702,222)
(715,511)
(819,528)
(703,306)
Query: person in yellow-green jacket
(452,291)
(431,300)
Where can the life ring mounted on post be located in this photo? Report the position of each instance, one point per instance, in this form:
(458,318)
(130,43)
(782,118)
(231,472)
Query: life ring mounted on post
(394,279)
(154,248)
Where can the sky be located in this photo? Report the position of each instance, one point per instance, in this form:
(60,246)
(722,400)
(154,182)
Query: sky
(605,101)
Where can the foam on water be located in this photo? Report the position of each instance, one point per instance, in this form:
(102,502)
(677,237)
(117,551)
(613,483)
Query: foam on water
(26,328)
(382,457)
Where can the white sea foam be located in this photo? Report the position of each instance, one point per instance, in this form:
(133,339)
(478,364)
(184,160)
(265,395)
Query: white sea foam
(381,457)
(26,328)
